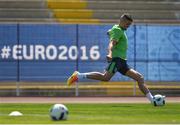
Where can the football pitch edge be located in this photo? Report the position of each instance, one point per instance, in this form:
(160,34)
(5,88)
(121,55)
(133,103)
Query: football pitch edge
(82,100)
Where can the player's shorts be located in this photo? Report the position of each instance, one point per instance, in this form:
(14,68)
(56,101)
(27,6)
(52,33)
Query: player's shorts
(118,64)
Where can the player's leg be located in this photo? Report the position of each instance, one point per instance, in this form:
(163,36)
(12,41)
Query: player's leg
(140,80)
(106,76)
(124,69)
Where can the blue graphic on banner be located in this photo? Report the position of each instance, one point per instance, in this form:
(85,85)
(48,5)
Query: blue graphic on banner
(51,52)
(163,53)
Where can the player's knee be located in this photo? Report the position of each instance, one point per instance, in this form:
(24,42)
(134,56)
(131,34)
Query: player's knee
(106,79)
(140,79)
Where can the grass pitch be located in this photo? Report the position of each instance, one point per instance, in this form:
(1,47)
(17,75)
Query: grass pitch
(93,114)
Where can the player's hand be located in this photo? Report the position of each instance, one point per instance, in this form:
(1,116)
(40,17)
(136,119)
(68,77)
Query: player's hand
(108,58)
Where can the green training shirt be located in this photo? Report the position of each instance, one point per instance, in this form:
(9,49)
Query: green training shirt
(119,35)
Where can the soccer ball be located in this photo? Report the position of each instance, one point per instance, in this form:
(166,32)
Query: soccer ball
(159,100)
(59,112)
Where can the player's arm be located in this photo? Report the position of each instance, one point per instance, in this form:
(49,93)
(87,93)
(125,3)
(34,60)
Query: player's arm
(114,35)
(112,43)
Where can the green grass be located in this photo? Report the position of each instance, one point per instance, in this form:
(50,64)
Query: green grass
(93,114)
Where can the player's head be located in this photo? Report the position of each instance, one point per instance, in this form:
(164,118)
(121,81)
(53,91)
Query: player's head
(125,21)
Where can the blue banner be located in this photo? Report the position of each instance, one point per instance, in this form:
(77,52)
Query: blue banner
(8,66)
(51,52)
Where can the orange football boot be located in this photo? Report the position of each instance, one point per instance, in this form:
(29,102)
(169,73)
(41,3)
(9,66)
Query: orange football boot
(72,79)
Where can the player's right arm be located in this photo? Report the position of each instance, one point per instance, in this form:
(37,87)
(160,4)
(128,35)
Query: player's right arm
(114,35)
(112,43)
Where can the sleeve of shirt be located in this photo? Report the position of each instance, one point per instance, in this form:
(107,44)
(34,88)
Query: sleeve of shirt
(115,34)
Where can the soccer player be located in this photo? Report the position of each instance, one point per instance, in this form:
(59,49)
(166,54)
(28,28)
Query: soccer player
(117,58)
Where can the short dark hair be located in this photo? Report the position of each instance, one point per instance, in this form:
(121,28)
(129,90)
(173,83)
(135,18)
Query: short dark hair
(127,16)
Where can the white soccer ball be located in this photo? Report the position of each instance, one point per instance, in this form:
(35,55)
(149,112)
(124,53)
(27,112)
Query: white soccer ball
(59,112)
(159,100)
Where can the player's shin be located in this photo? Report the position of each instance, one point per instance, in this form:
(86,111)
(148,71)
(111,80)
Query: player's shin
(146,91)
(149,96)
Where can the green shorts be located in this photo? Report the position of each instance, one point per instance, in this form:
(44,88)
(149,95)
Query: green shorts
(118,64)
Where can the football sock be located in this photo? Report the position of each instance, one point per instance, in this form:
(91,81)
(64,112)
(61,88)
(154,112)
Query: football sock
(149,96)
(82,75)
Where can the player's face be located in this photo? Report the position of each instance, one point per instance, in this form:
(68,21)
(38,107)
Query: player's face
(126,24)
